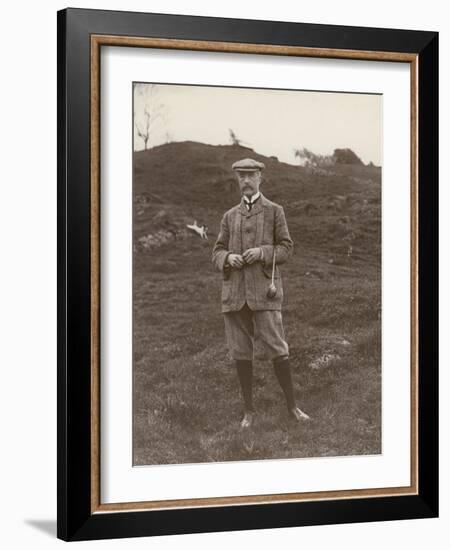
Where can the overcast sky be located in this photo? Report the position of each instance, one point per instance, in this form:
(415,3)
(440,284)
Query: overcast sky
(272,122)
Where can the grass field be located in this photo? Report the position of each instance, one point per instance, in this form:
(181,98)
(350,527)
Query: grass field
(186,400)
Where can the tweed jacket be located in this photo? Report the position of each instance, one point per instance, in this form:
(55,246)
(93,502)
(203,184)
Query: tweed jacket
(264,226)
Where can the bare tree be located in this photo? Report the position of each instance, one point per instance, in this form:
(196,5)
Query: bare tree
(233,138)
(149,109)
(144,130)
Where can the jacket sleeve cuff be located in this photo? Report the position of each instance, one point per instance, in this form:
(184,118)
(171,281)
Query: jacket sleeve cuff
(267,250)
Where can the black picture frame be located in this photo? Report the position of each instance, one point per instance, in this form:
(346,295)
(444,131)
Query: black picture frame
(76,520)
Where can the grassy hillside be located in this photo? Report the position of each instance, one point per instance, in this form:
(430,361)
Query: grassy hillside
(186,398)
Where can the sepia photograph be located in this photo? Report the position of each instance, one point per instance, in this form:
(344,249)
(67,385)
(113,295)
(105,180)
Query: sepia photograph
(247,274)
(256,279)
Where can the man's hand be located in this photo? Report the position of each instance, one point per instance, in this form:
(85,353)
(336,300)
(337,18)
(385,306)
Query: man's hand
(252,255)
(235,260)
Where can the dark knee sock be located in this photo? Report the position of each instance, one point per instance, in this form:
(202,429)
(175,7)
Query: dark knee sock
(245,375)
(283,374)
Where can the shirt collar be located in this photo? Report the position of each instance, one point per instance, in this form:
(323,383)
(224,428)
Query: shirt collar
(252,198)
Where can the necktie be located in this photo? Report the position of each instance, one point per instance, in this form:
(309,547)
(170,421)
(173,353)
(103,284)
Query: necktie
(250,204)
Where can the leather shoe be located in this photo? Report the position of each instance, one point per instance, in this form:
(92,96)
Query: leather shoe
(247,420)
(298,415)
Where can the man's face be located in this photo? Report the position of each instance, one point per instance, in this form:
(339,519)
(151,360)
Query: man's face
(249,182)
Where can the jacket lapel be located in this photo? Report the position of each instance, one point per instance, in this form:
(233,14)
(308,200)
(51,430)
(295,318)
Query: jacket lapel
(256,209)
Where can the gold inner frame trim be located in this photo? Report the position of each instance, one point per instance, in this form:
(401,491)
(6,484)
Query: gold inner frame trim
(264,49)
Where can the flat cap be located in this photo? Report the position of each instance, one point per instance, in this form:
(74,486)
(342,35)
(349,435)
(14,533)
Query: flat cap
(248,165)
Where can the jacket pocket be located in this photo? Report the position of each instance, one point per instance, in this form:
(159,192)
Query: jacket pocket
(226,291)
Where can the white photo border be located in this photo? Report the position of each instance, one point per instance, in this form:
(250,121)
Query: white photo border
(119,480)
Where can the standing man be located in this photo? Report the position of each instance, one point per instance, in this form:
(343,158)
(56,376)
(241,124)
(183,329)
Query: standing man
(250,234)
